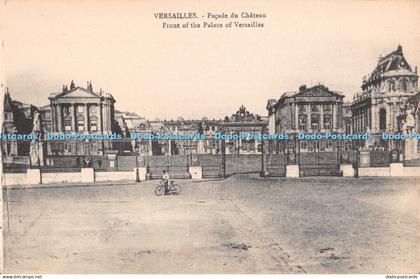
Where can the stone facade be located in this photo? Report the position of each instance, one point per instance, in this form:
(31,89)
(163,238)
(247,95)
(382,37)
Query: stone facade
(81,110)
(385,93)
(315,109)
(310,110)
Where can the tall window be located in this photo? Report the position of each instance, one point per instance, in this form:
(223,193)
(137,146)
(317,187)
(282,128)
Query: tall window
(93,124)
(382,119)
(67,123)
(315,122)
(80,123)
(327,121)
(314,108)
(348,127)
(403,86)
(66,111)
(302,122)
(302,108)
(327,108)
(391,86)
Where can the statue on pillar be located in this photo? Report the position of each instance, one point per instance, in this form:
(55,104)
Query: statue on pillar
(36,149)
(407,127)
(200,144)
(409,121)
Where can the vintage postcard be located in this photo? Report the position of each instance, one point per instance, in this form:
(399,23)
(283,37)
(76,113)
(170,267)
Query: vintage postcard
(210,137)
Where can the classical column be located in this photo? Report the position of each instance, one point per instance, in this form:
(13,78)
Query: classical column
(362,119)
(86,117)
(309,118)
(321,117)
(53,118)
(105,117)
(59,118)
(292,119)
(99,122)
(394,117)
(335,116)
(74,118)
(388,116)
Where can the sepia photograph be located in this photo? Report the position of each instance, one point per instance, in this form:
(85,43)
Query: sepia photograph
(210,137)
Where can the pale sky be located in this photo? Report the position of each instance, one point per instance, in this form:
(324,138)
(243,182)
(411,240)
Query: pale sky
(155,72)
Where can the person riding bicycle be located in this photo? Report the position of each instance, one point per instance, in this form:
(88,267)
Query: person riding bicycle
(166,181)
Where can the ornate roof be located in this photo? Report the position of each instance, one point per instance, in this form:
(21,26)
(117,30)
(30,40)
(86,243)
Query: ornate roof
(394,61)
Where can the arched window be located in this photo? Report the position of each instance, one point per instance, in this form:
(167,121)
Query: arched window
(391,86)
(382,119)
(93,124)
(315,122)
(302,122)
(403,85)
(327,121)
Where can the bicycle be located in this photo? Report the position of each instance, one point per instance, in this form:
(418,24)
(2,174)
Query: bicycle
(174,189)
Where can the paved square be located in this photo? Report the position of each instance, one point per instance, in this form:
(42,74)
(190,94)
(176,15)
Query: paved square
(243,224)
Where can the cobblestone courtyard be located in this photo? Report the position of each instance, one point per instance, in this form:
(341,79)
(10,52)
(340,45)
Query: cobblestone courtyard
(243,224)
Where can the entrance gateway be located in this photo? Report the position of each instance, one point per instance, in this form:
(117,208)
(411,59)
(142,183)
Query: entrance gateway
(313,157)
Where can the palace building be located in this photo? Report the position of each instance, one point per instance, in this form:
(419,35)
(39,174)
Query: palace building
(311,110)
(385,93)
(81,110)
(315,109)
(240,122)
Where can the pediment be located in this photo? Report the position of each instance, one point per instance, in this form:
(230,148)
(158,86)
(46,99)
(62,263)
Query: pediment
(317,92)
(78,92)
